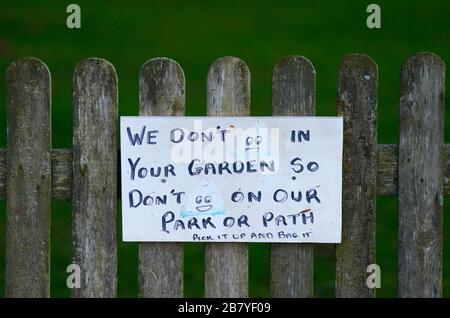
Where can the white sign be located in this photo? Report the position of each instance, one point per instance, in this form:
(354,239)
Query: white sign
(231,179)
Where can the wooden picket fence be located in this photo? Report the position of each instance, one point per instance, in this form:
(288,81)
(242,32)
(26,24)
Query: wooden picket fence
(32,174)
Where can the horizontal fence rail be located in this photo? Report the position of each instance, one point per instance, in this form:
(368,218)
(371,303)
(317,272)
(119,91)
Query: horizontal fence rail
(417,170)
(387,171)
(28,179)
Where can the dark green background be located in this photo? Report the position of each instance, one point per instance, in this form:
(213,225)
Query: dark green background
(195,33)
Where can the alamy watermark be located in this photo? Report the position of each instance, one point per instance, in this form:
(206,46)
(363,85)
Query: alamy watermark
(374,19)
(74,278)
(73,20)
(257,145)
(374,277)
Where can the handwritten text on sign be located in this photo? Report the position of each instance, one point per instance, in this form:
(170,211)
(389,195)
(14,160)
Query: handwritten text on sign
(231,179)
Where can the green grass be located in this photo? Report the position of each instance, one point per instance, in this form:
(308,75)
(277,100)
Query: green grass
(195,33)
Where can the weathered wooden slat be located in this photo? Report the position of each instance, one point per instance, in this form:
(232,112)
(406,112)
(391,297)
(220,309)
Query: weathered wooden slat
(95,177)
(161,92)
(62,174)
(293,94)
(28,179)
(61,166)
(387,167)
(228,94)
(357,103)
(387,176)
(420,176)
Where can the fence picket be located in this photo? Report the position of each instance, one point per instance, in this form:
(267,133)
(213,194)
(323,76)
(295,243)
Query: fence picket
(95,177)
(357,103)
(161,92)
(421,177)
(228,94)
(28,179)
(293,94)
